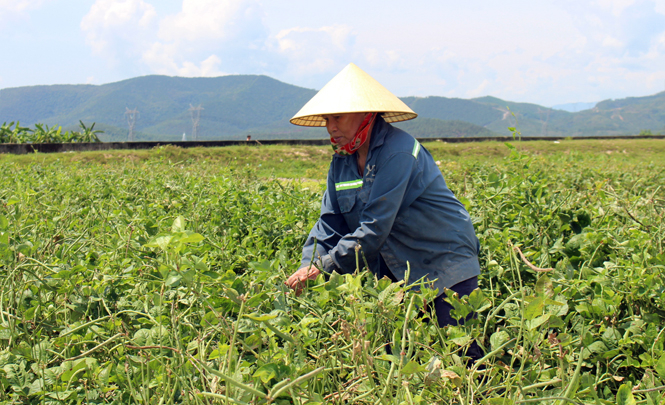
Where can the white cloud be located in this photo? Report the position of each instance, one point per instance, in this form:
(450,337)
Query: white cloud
(390,58)
(199,40)
(205,36)
(19,5)
(12,8)
(314,51)
(546,52)
(660,6)
(616,6)
(118,27)
(478,91)
(300,41)
(164,59)
(625,26)
(205,20)
(612,42)
(582,52)
(160,58)
(208,68)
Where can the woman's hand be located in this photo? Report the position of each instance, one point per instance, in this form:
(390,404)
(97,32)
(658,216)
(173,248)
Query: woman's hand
(299,278)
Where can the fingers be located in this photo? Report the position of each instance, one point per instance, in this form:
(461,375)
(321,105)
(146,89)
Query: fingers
(292,281)
(298,279)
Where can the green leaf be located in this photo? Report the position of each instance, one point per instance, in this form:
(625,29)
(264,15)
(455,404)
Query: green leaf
(142,337)
(308,320)
(625,395)
(5,334)
(501,401)
(30,313)
(535,308)
(4,223)
(478,301)
(263,266)
(173,279)
(467,203)
(499,338)
(266,372)
(178,225)
(189,276)
(219,352)
(461,341)
(17,375)
(161,242)
(544,286)
(232,294)
(389,357)
(413,367)
(261,318)
(537,321)
(595,347)
(660,366)
(272,370)
(72,370)
(24,248)
(556,322)
(190,237)
(210,318)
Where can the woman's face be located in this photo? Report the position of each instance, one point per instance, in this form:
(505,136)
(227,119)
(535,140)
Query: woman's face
(343,127)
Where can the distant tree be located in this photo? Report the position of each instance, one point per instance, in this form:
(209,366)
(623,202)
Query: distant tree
(45,134)
(18,134)
(89,134)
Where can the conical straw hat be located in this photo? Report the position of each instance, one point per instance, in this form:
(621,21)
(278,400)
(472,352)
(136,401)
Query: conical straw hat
(351,91)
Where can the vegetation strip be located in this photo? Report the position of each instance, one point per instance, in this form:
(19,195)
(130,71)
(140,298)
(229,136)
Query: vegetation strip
(158,276)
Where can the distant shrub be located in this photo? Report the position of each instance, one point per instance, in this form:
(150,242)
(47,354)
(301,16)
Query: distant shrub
(15,133)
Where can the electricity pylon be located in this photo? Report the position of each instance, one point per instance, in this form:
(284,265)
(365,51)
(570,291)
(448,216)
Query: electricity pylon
(195,112)
(131,120)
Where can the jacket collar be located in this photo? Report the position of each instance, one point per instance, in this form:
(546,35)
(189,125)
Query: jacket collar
(378,133)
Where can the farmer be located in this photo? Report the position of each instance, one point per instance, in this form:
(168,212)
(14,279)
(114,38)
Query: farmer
(385,195)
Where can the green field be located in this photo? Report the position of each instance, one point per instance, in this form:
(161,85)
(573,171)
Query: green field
(157,277)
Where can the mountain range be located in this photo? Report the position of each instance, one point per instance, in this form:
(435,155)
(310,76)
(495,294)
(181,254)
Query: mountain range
(238,105)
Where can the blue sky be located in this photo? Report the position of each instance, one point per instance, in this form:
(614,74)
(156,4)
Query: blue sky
(545,52)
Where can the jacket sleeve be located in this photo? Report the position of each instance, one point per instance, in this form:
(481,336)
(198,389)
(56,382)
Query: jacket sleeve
(327,231)
(396,175)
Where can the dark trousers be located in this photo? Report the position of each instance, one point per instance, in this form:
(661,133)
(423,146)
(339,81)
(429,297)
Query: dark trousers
(442,308)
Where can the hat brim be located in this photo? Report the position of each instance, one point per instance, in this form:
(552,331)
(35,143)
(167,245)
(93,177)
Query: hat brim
(352,91)
(318,121)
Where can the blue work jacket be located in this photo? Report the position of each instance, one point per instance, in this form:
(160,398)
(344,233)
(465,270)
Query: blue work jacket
(400,210)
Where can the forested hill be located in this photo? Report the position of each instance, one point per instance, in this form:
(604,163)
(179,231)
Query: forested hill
(628,116)
(235,106)
(232,105)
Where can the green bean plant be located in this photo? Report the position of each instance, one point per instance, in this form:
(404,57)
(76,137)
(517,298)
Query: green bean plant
(163,282)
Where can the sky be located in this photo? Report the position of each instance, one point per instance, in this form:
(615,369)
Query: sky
(545,52)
